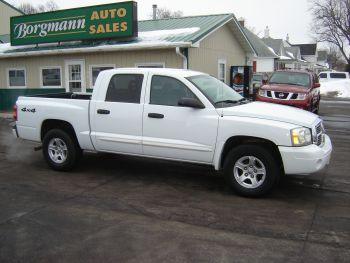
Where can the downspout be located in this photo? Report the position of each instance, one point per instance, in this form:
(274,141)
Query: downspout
(184,58)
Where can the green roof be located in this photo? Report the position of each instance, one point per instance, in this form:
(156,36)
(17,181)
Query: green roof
(205,23)
(5,38)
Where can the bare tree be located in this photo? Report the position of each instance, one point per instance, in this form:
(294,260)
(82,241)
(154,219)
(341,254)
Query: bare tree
(163,12)
(331,20)
(29,8)
(335,59)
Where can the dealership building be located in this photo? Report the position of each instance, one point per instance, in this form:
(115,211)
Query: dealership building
(45,56)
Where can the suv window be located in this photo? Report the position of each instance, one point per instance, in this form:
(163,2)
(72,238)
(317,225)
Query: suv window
(125,88)
(168,91)
(323,75)
(337,75)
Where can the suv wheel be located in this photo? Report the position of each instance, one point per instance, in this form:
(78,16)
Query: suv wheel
(60,150)
(251,170)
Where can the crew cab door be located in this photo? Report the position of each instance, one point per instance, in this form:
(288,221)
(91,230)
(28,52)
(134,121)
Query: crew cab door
(116,118)
(176,132)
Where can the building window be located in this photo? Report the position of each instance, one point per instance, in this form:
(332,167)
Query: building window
(95,70)
(168,91)
(150,65)
(125,88)
(222,70)
(51,77)
(17,78)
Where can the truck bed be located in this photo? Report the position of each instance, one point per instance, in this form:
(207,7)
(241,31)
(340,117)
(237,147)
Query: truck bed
(64,95)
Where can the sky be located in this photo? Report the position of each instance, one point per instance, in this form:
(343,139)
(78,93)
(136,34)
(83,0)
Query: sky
(281,16)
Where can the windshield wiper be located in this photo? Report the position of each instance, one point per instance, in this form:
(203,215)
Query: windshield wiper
(227,101)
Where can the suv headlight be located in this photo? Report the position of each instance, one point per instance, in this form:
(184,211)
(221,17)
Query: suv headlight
(301,96)
(301,136)
(262,93)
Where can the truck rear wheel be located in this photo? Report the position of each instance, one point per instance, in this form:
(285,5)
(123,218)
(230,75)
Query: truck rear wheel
(251,170)
(60,150)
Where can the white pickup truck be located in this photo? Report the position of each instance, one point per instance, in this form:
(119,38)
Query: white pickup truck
(179,115)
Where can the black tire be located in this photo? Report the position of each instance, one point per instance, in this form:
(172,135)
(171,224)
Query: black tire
(271,165)
(72,153)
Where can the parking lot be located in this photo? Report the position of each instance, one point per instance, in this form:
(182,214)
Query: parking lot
(118,209)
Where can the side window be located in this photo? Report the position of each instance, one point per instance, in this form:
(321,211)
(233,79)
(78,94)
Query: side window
(337,76)
(323,75)
(168,91)
(125,88)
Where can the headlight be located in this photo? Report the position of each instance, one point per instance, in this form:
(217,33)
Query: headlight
(301,136)
(301,96)
(262,93)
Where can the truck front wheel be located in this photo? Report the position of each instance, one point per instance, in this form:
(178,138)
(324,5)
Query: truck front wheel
(251,170)
(60,150)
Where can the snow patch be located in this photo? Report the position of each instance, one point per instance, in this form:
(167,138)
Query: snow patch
(342,87)
(273,51)
(290,54)
(163,34)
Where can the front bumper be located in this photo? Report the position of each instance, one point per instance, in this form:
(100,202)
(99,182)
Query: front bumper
(306,159)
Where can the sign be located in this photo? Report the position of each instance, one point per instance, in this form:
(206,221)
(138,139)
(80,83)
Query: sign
(117,20)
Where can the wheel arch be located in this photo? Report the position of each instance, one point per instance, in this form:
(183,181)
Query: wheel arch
(50,124)
(235,141)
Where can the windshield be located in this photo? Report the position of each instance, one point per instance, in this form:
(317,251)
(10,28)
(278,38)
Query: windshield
(217,92)
(291,78)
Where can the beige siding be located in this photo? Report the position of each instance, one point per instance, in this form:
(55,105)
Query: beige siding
(119,59)
(221,44)
(5,13)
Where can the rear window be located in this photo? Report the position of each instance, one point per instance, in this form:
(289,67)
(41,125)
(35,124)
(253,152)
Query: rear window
(290,78)
(323,75)
(257,77)
(337,75)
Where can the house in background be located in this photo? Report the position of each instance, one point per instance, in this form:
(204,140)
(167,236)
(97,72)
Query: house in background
(265,58)
(322,61)
(6,11)
(308,53)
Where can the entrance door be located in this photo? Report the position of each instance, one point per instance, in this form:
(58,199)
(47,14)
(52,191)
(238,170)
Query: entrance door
(75,76)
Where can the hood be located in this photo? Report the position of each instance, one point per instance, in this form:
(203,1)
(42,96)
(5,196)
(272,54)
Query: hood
(286,88)
(270,111)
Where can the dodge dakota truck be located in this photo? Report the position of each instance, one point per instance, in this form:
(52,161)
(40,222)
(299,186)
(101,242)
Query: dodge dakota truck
(178,115)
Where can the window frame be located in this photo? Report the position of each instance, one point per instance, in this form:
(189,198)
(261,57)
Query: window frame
(8,78)
(224,62)
(171,77)
(42,79)
(123,74)
(69,62)
(149,64)
(96,66)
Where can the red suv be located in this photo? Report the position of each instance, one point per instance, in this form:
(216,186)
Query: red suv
(299,89)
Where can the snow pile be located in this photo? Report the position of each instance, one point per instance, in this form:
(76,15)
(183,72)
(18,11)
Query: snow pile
(341,87)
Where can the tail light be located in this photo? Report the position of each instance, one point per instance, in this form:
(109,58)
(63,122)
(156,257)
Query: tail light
(15,112)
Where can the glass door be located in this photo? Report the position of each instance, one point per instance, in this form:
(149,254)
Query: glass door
(75,76)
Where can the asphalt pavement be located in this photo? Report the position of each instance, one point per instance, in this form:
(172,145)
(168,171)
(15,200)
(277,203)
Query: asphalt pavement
(125,209)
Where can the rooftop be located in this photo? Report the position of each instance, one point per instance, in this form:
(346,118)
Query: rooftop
(260,47)
(153,34)
(307,49)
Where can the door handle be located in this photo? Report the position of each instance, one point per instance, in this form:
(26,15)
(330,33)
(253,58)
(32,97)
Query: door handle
(102,111)
(155,115)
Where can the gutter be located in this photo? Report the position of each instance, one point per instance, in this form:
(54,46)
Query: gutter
(184,58)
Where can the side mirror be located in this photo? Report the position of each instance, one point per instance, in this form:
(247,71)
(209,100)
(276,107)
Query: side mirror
(191,103)
(317,85)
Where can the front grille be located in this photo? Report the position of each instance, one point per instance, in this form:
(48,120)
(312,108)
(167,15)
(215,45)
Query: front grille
(281,95)
(319,137)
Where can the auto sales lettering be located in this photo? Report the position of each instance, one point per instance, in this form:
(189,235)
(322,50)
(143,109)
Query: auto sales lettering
(118,20)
